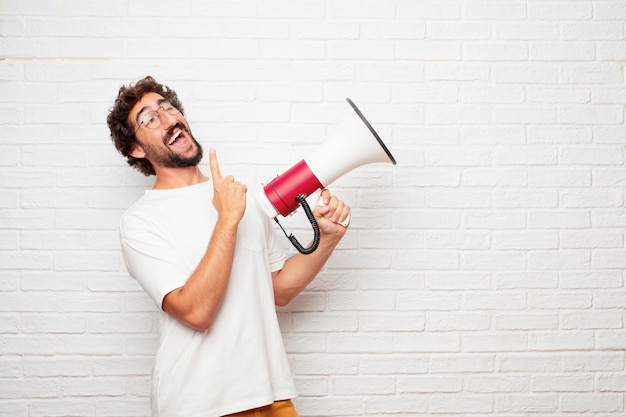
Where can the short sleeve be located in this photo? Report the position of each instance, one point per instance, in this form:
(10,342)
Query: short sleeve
(276,251)
(151,259)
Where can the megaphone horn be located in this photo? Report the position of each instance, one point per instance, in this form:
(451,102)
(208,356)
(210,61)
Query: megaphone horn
(353,144)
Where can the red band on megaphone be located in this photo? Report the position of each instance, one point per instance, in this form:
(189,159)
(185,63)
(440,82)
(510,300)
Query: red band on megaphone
(283,190)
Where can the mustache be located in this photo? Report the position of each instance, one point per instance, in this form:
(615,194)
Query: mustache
(170,131)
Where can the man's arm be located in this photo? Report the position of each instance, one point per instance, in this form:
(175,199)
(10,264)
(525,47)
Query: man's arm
(300,270)
(197,302)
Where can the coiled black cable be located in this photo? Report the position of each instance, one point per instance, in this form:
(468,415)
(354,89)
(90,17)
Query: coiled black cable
(301,198)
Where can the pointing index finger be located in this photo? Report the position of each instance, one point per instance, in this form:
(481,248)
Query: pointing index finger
(215,168)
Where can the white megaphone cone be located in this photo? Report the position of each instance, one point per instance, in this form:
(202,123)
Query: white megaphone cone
(353,144)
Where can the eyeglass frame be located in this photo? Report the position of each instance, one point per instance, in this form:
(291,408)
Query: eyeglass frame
(174,102)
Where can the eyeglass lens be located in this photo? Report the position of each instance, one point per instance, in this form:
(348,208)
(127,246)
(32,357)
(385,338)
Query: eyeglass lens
(152,119)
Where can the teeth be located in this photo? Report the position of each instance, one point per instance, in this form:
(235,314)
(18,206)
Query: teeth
(174,137)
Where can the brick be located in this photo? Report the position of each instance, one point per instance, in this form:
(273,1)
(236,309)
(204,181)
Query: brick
(605,74)
(429,10)
(557,341)
(494,342)
(11,367)
(53,324)
(591,31)
(560,134)
(560,219)
(312,387)
(525,74)
(559,95)
(427,342)
(529,362)
(133,407)
(526,279)
(114,366)
(561,11)
(428,301)
(429,384)
(461,321)
(563,51)
(527,403)
(509,51)
(354,301)
(37,367)
(391,322)
(526,321)
(330,406)
(326,364)
(525,115)
(560,300)
(444,198)
(562,383)
(561,260)
(393,364)
(533,198)
(450,30)
(566,177)
(296,343)
(461,403)
(59,407)
(429,50)
(612,383)
(456,240)
(441,71)
(493,261)
(526,240)
(310,322)
(355,385)
(492,301)
(498,384)
(530,32)
(594,279)
(601,115)
(462,363)
(592,320)
(396,404)
(611,51)
(582,403)
(31,388)
(593,361)
(430,219)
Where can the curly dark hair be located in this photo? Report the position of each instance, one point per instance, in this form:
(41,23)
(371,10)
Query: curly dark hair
(122,132)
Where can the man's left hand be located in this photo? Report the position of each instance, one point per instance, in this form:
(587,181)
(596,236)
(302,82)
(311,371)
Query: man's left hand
(330,213)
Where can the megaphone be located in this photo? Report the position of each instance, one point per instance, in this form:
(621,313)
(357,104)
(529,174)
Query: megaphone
(353,144)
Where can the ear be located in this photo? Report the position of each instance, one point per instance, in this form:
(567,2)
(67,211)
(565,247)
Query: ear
(137,151)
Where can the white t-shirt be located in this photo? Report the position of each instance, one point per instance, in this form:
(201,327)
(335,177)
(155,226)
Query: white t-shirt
(240,362)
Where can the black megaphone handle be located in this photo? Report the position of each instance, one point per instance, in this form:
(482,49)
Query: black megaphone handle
(301,198)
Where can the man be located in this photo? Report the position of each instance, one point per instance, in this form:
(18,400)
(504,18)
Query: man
(209,258)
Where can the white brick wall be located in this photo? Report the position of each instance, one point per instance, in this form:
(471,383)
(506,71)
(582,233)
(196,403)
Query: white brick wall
(483,275)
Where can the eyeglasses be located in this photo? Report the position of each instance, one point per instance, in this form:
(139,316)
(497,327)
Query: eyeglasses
(152,119)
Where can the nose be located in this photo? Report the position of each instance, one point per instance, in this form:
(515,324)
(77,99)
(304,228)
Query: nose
(167,120)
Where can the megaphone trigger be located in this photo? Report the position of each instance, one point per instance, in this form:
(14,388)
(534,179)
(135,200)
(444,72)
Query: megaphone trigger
(346,222)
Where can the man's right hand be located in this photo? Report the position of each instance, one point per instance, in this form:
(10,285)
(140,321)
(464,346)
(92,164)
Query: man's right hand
(196,303)
(229,196)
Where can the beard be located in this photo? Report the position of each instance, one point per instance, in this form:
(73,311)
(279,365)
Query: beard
(169,159)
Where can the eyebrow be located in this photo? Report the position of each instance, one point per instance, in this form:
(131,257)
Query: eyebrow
(144,108)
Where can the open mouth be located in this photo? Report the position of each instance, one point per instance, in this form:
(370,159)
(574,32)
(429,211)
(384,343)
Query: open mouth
(174,138)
